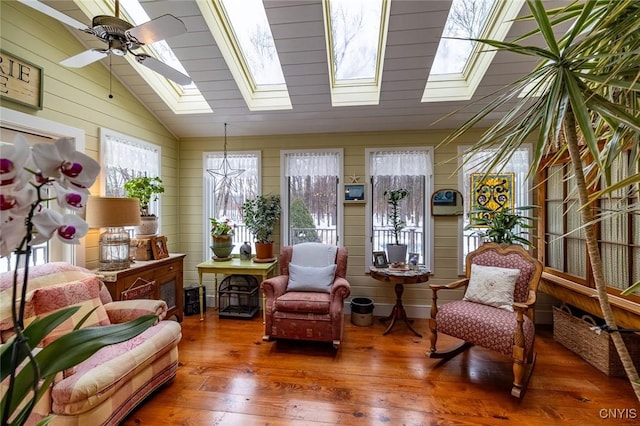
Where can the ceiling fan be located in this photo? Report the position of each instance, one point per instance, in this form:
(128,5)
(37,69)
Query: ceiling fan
(121,38)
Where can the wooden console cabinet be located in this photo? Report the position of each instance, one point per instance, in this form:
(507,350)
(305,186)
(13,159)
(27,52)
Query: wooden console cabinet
(167,273)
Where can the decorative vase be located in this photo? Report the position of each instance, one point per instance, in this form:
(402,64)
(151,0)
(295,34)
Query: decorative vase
(245,251)
(397,253)
(148,227)
(264,251)
(222,246)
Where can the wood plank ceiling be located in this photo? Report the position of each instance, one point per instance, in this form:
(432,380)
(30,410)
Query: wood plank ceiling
(415,27)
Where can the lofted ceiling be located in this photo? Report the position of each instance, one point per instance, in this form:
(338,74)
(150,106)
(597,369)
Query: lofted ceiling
(415,27)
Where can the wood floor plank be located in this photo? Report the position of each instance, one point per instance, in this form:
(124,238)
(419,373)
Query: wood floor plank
(229,376)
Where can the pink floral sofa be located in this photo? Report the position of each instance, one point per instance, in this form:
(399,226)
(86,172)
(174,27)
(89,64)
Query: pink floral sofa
(103,389)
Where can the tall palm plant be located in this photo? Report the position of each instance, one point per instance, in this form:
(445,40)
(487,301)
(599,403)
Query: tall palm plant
(583,99)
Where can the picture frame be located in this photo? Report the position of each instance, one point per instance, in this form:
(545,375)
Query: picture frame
(159,247)
(354,193)
(380,259)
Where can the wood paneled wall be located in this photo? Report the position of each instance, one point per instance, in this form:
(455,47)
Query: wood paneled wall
(79,98)
(416,298)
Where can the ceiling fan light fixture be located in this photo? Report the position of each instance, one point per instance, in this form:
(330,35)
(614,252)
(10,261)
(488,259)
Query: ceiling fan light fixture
(118,47)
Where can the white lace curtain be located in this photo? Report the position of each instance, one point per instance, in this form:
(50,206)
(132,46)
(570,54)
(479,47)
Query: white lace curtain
(310,163)
(401,163)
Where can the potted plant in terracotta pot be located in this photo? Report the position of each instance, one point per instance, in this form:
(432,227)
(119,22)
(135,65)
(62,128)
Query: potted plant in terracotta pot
(260,215)
(222,231)
(396,253)
(146,189)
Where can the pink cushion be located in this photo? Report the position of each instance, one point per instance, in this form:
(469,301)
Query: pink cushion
(299,301)
(85,293)
(483,325)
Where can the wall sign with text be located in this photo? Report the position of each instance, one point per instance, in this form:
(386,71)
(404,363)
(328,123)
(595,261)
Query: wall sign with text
(20,81)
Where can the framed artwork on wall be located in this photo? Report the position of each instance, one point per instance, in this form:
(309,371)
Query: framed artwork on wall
(354,193)
(492,191)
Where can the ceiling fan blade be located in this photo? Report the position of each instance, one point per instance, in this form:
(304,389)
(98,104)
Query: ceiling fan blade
(160,28)
(163,69)
(48,10)
(85,58)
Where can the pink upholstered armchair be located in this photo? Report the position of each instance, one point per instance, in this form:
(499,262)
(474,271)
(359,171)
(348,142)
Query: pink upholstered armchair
(305,302)
(497,311)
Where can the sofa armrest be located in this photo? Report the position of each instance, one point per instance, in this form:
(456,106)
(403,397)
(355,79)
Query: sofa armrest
(127,310)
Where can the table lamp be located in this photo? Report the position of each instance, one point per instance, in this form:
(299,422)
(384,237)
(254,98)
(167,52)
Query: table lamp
(113,214)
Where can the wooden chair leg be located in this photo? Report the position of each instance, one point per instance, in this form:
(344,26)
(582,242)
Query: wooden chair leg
(433,338)
(521,375)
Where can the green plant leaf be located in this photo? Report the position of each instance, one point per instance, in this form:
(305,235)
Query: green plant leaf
(76,346)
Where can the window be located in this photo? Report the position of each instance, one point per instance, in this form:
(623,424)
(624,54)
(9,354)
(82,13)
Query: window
(310,208)
(229,181)
(460,65)
(37,129)
(246,43)
(518,164)
(618,229)
(124,157)
(356,37)
(410,168)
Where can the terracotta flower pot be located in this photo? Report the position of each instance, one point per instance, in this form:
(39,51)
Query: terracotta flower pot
(264,250)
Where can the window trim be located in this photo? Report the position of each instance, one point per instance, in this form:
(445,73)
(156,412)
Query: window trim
(284,191)
(428,217)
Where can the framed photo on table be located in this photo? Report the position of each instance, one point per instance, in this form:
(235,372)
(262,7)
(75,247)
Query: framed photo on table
(159,247)
(380,259)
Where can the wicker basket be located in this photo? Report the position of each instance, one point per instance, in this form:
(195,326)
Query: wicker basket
(597,349)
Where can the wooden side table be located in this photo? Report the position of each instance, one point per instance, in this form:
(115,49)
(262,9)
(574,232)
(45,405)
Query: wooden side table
(400,278)
(230,267)
(167,273)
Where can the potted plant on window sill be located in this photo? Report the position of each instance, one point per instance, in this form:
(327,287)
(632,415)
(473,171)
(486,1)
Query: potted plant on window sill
(146,189)
(260,215)
(396,253)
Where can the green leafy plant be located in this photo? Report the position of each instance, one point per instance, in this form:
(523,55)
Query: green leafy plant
(221,227)
(500,226)
(393,198)
(146,189)
(582,100)
(260,215)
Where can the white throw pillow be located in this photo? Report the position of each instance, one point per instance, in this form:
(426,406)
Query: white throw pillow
(492,286)
(311,278)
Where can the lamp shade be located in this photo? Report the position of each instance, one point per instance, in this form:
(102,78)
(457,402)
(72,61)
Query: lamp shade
(103,212)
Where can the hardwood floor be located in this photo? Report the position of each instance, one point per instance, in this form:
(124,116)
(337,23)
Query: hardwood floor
(229,376)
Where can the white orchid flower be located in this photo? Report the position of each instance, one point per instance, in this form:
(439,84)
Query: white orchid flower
(16,203)
(13,159)
(69,228)
(73,198)
(12,231)
(62,162)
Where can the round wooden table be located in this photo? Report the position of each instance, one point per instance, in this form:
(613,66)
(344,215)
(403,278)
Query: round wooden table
(400,278)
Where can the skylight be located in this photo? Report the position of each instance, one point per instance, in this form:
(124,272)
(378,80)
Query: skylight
(254,37)
(243,35)
(356,33)
(466,20)
(181,99)
(460,65)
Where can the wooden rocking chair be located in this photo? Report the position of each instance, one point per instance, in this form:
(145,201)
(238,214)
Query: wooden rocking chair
(508,329)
